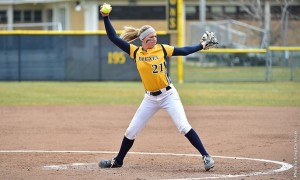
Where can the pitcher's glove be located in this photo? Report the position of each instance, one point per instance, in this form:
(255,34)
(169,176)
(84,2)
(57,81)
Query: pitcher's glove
(210,39)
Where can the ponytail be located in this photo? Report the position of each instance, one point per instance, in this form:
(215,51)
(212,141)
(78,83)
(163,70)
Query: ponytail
(130,33)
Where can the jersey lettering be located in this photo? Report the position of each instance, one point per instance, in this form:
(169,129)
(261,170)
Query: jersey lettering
(151,65)
(149,58)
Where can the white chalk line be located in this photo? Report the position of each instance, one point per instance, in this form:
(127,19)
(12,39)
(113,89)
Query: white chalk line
(284,166)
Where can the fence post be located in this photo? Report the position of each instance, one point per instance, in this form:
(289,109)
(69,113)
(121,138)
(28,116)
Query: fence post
(268,65)
(291,59)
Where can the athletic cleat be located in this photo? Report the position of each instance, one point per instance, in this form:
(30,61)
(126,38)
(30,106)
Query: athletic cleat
(208,162)
(109,164)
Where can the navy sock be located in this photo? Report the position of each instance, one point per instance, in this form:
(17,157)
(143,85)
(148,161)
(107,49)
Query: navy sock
(196,142)
(125,146)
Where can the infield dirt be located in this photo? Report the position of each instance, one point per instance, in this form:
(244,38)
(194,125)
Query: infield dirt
(252,132)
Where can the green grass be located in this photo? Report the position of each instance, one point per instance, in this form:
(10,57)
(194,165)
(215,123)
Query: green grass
(69,93)
(241,94)
(131,93)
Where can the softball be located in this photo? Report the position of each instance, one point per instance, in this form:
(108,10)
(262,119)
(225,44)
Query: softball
(106,8)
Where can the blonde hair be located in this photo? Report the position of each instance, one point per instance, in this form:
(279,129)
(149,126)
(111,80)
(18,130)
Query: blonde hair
(130,33)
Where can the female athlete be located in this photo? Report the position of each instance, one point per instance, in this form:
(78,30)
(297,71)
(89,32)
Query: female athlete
(160,93)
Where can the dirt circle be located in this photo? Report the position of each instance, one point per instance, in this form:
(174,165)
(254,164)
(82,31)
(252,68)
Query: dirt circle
(239,161)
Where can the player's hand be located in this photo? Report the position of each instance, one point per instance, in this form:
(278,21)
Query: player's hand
(204,45)
(209,40)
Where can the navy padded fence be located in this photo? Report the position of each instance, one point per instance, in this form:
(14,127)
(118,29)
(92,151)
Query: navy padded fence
(61,57)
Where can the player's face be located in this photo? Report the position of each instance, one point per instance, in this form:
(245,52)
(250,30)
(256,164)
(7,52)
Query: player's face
(150,40)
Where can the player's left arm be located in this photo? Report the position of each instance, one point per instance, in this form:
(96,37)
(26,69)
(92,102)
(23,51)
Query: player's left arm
(186,50)
(207,41)
(182,51)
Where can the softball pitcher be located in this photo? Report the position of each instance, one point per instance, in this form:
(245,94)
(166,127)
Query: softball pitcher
(160,93)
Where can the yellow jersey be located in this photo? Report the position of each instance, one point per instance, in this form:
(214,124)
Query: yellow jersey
(152,65)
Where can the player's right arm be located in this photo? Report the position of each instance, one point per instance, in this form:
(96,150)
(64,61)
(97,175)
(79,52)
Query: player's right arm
(112,35)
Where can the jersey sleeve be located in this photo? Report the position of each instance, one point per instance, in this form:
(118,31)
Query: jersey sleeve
(132,49)
(169,49)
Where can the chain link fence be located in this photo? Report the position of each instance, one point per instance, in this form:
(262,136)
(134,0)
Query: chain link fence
(239,56)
